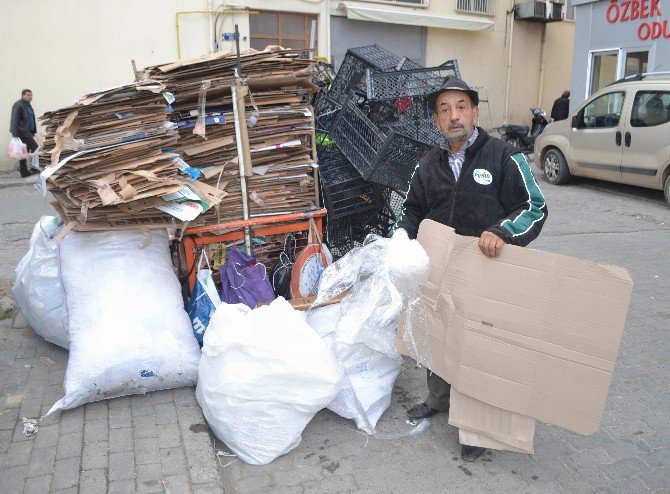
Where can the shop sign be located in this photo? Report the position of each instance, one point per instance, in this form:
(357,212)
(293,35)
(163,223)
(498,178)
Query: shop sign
(632,10)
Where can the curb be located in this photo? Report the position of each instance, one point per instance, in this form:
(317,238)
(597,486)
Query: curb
(14,180)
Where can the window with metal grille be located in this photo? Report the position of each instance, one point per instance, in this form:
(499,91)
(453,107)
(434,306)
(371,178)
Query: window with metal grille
(280,28)
(485,7)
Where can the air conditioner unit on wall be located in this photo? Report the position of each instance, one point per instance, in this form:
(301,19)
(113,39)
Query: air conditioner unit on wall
(556,11)
(539,11)
(531,11)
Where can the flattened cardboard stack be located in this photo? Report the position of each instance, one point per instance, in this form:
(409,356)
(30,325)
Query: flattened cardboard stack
(280,128)
(107,167)
(114,157)
(528,336)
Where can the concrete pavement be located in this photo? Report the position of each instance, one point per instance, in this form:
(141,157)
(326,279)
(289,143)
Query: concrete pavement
(160,442)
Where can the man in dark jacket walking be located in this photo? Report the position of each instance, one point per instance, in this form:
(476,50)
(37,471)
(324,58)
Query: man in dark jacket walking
(561,108)
(478,185)
(24,127)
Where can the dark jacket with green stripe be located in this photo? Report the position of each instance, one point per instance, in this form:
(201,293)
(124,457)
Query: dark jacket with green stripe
(495,191)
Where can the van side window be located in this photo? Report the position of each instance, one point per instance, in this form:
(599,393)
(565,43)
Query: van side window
(603,112)
(650,108)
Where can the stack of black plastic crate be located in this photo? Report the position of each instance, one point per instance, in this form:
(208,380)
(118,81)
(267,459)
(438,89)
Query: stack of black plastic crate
(373,126)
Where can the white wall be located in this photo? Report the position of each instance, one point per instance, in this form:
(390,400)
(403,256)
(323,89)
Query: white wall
(63,49)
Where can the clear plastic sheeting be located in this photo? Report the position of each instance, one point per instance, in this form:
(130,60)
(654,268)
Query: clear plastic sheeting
(128,330)
(37,289)
(382,279)
(263,375)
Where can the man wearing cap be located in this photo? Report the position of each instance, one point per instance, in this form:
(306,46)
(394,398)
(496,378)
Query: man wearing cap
(478,185)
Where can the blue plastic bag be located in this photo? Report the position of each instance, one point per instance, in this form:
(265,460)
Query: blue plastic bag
(204,299)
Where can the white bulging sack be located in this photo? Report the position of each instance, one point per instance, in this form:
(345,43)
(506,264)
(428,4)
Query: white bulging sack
(263,375)
(370,375)
(129,332)
(37,287)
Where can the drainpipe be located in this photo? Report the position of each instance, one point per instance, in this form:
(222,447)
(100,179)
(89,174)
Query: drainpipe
(209,27)
(543,62)
(509,64)
(328,14)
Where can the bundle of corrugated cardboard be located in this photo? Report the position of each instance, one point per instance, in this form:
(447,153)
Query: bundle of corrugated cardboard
(165,147)
(280,128)
(528,336)
(106,161)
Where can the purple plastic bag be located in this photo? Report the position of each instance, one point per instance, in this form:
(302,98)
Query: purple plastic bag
(244,280)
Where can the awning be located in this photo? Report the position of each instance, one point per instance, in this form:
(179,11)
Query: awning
(414,17)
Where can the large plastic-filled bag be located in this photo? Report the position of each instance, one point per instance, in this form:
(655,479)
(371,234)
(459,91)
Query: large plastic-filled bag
(129,332)
(381,277)
(264,374)
(37,288)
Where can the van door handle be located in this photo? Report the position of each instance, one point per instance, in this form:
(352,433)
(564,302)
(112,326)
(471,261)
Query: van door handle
(627,139)
(617,138)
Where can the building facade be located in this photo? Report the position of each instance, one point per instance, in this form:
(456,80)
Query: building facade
(62,50)
(615,39)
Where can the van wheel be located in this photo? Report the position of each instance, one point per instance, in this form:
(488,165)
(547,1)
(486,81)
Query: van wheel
(666,189)
(555,167)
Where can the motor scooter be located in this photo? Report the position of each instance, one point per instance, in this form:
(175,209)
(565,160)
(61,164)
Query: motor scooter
(517,135)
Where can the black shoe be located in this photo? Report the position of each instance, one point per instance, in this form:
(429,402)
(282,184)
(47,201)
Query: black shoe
(421,411)
(471,453)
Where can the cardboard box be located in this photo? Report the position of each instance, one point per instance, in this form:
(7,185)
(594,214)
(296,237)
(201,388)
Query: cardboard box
(530,332)
(474,439)
(484,425)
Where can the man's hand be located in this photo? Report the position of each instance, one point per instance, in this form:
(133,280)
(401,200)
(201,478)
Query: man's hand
(491,244)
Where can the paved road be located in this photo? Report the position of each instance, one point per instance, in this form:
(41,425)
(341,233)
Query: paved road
(138,443)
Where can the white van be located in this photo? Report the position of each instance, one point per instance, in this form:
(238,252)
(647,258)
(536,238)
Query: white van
(620,134)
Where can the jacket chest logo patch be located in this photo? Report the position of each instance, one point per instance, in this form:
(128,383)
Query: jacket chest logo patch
(483,177)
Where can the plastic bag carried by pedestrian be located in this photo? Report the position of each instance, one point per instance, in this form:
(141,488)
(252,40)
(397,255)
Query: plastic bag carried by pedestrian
(37,288)
(17,149)
(204,299)
(244,280)
(129,332)
(382,278)
(264,374)
(309,265)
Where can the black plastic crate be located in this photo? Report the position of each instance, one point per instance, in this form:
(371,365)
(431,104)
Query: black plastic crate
(358,138)
(325,111)
(386,160)
(344,191)
(423,130)
(407,83)
(350,76)
(344,234)
(385,113)
(396,162)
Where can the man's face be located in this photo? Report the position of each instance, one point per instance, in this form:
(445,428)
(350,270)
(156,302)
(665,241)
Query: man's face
(28,97)
(456,116)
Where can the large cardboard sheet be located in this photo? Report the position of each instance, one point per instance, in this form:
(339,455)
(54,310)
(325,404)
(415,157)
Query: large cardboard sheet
(486,426)
(530,332)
